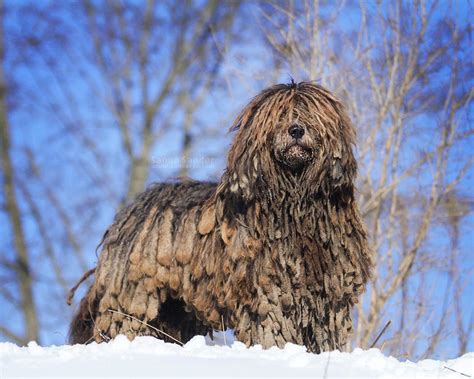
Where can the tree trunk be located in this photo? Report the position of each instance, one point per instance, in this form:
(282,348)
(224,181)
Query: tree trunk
(137,178)
(22,264)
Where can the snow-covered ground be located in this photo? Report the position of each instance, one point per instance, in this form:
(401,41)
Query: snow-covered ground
(148,357)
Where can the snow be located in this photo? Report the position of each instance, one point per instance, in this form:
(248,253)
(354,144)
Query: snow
(148,357)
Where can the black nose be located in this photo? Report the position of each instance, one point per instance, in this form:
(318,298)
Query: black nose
(296,131)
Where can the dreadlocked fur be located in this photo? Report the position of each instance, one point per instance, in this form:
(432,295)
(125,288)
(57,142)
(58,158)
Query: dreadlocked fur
(276,250)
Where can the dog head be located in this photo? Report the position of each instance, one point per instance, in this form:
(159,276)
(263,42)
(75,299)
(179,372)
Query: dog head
(292,135)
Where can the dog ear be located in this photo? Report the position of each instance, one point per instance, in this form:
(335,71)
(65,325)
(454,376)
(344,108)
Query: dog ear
(344,164)
(243,173)
(339,168)
(248,156)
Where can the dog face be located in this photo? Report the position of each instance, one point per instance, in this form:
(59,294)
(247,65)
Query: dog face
(298,131)
(296,145)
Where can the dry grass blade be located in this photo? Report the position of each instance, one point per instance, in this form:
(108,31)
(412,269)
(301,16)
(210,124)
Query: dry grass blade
(380,334)
(457,372)
(150,326)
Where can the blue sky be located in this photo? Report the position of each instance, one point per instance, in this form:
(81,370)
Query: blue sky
(42,118)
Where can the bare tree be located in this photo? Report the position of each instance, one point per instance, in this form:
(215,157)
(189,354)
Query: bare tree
(88,75)
(456,208)
(400,71)
(129,50)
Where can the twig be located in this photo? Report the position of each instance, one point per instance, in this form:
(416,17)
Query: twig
(380,334)
(150,326)
(326,368)
(223,330)
(104,337)
(72,291)
(457,372)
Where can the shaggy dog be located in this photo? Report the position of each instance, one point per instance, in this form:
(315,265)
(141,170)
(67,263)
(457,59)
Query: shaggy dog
(276,250)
